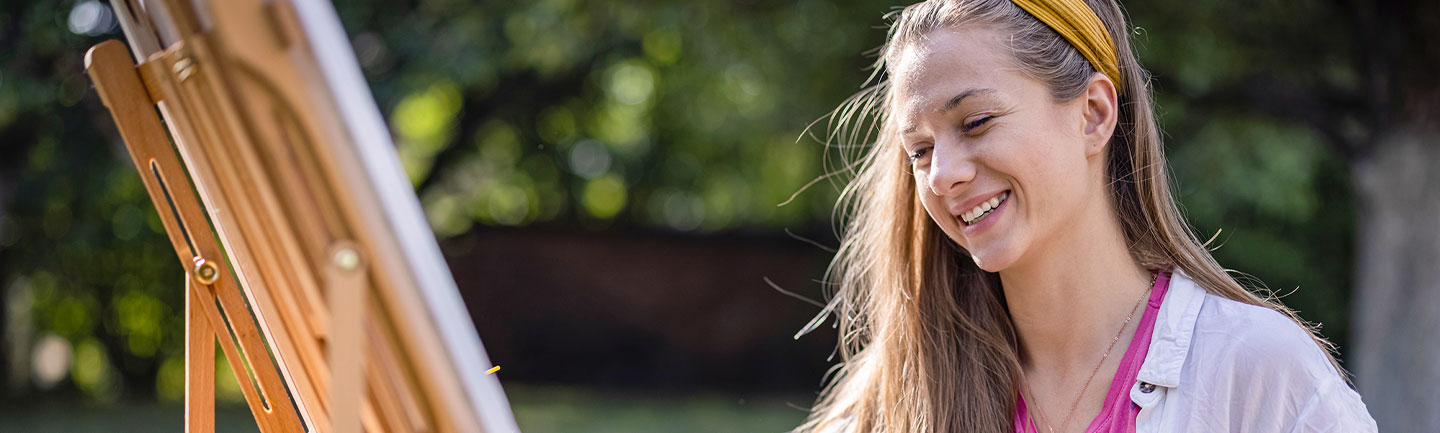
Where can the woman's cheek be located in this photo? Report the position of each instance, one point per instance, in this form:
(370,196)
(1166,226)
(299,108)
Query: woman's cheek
(936,210)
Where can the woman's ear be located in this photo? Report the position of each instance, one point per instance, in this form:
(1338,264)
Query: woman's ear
(1101,111)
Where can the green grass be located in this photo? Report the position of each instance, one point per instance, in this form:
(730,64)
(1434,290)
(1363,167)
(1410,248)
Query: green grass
(537,410)
(124,418)
(546,410)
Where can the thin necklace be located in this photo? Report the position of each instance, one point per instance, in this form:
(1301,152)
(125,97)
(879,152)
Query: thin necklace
(1076,403)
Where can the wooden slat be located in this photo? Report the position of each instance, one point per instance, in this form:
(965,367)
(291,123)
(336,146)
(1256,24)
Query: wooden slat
(239,341)
(199,365)
(347,287)
(121,91)
(390,378)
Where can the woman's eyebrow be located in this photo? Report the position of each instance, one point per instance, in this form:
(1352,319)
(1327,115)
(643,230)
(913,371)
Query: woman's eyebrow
(951,104)
(955,102)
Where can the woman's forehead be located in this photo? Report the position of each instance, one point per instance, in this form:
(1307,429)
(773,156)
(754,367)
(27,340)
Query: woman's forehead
(931,71)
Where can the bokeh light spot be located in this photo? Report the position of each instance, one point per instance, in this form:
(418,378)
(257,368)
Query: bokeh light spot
(91,18)
(589,159)
(49,361)
(604,197)
(631,82)
(127,222)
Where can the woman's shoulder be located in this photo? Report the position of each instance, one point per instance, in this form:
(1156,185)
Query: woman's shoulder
(1256,338)
(1258,358)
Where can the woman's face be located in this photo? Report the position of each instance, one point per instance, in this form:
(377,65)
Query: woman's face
(1000,166)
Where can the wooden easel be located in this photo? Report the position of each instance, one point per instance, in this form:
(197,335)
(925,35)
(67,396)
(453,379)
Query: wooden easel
(210,291)
(270,172)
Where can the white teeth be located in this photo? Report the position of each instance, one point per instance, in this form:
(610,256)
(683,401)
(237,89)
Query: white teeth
(983,209)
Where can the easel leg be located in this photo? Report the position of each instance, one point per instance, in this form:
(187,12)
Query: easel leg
(199,365)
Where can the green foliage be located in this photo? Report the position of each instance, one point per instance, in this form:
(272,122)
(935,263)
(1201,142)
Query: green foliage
(677,116)
(83,257)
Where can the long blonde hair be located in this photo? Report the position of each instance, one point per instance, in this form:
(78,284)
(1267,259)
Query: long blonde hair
(926,342)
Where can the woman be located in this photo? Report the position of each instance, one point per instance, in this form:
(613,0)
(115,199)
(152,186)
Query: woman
(1014,259)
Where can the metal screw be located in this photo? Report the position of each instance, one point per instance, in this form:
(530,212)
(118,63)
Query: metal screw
(347,258)
(184,68)
(206,272)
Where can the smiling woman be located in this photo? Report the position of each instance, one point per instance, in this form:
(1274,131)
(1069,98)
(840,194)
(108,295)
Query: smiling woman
(1006,225)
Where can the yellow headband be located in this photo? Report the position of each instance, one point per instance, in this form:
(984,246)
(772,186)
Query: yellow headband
(1079,25)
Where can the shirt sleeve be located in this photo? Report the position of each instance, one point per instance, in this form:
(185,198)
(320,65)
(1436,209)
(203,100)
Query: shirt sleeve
(1334,408)
(1282,381)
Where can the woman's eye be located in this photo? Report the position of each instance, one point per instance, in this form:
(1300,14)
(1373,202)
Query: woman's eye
(915,156)
(977,123)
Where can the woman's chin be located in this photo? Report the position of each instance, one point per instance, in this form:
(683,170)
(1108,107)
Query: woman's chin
(984,265)
(992,261)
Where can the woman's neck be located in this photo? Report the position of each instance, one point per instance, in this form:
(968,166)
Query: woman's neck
(1069,299)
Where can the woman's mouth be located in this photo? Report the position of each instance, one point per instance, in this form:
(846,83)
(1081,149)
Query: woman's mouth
(979,212)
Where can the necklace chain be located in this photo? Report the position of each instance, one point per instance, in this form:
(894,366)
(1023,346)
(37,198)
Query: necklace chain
(1076,403)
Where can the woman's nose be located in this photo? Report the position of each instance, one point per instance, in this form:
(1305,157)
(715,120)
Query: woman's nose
(951,167)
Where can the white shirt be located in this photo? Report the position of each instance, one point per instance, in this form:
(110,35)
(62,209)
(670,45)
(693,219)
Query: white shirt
(1217,365)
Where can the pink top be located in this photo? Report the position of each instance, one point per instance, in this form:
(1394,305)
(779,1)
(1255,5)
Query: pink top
(1118,413)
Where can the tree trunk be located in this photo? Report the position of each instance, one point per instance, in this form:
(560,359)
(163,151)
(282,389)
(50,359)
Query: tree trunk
(1396,343)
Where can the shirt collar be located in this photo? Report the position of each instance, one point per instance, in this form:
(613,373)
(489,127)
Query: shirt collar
(1174,328)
